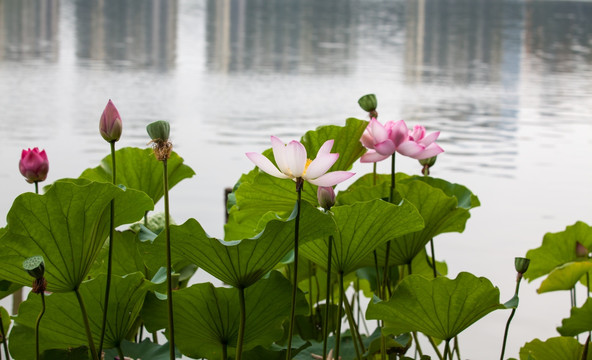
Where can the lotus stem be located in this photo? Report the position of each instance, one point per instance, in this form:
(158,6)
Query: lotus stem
(167,226)
(518,279)
(110,253)
(338,331)
(241,326)
(327,302)
(357,339)
(457,347)
(224,351)
(91,343)
(120,352)
(435,347)
(299,183)
(585,352)
(446,349)
(433,258)
(2,333)
(37,325)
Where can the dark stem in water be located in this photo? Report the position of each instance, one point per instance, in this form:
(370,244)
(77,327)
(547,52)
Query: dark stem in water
(299,183)
(110,253)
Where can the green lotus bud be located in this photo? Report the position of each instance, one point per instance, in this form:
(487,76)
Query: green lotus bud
(35,266)
(521,264)
(159,131)
(429,161)
(368,103)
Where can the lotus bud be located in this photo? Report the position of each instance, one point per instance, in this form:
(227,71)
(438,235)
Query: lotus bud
(369,104)
(326,197)
(159,133)
(427,164)
(581,250)
(34,165)
(110,125)
(521,264)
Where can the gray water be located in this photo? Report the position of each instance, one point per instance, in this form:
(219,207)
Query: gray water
(508,84)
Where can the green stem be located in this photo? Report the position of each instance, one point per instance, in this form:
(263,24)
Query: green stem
(327,302)
(435,347)
(91,343)
(457,347)
(241,326)
(510,318)
(433,258)
(585,352)
(110,252)
(3,338)
(37,325)
(224,351)
(120,352)
(311,303)
(417,346)
(167,226)
(299,183)
(36,187)
(358,343)
(446,349)
(340,314)
(410,268)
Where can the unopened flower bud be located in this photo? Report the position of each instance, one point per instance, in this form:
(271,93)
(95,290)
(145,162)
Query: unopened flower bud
(426,164)
(326,197)
(521,264)
(110,125)
(369,104)
(159,133)
(34,165)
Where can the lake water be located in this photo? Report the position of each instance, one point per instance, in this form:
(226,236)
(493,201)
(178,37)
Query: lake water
(508,84)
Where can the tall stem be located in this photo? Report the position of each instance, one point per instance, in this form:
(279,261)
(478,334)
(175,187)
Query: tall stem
(37,325)
(3,334)
(435,347)
(225,351)
(446,349)
(510,318)
(91,343)
(338,331)
(299,183)
(433,258)
(357,339)
(120,352)
(167,226)
(241,327)
(110,252)
(327,302)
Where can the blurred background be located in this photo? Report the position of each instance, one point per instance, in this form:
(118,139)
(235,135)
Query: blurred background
(507,82)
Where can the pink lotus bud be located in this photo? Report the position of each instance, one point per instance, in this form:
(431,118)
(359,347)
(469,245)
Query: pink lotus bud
(326,196)
(34,165)
(110,124)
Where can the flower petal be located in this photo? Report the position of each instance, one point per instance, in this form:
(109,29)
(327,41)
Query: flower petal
(410,148)
(385,148)
(295,158)
(379,132)
(279,154)
(332,178)
(320,165)
(432,150)
(399,133)
(367,139)
(266,165)
(430,138)
(372,156)
(325,148)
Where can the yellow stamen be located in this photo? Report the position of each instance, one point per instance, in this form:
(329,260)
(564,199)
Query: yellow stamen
(308,161)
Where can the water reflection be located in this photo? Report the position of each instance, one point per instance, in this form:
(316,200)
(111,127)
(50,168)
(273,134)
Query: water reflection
(29,29)
(132,33)
(281,36)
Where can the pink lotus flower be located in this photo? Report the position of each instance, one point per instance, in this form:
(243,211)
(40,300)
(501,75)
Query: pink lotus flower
(110,124)
(34,165)
(394,136)
(293,163)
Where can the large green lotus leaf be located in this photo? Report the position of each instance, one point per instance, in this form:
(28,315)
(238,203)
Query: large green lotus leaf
(126,257)
(362,227)
(440,213)
(138,169)
(145,349)
(466,199)
(79,353)
(347,142)
(8,288)
(558,249)
(61,326)
(241,263)
(565,276)
(68,226)
(369,187)
(207,317)
(438,307)
(579,321)
(564,348)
